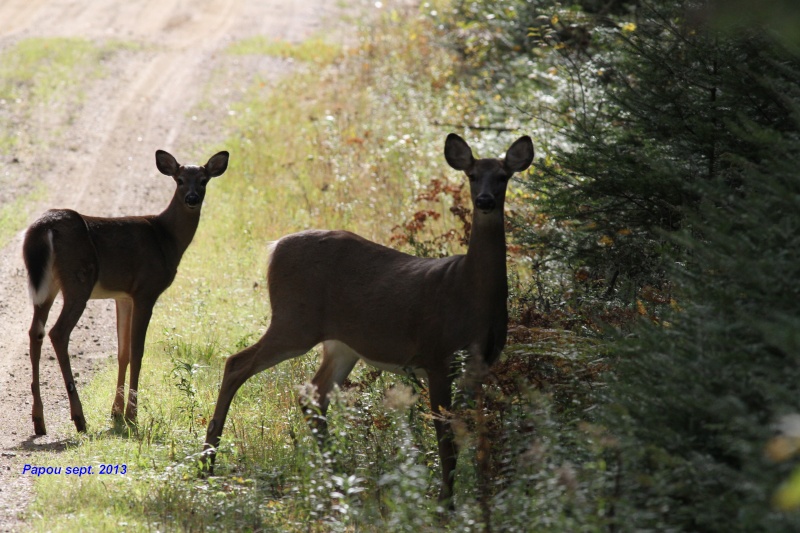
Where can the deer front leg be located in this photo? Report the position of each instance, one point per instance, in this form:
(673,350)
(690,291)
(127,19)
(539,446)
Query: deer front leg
(124,319)
(477,371)
(142,311)
(274,347)
(238,369)
(40,313)
(439,389)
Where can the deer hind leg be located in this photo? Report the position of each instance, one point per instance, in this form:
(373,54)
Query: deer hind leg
(124,317)
(273,348)
(74,305)
(40,314)
(338,360)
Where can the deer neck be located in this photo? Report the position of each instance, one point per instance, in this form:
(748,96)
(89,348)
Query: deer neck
(486,257)
(179,224)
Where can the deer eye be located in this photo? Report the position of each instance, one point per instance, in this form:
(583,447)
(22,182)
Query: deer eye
(179,180)
(203,183)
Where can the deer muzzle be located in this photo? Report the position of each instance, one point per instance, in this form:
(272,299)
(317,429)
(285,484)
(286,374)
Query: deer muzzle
(192,200)
(485,202)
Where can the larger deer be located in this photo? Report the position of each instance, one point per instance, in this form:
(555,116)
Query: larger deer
(130,259)
(395,311)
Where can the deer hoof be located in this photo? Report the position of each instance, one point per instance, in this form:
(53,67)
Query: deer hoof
(117,408)
(205,471)
(130,415)
(80,423)
(206,464)
(446,503)
(38,425)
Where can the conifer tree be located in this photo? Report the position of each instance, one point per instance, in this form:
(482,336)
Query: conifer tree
(706,164)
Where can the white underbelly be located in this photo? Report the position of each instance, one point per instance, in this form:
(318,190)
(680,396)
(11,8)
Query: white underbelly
(100,293)
(397,369)
(338,349)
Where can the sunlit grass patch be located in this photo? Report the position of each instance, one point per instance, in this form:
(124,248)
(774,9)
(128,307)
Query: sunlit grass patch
(313,50)
(14,214)
(42,68)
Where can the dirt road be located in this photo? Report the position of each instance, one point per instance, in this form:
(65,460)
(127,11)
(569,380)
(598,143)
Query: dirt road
(101,163)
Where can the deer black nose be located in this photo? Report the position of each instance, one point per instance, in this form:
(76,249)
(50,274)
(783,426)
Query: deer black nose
(192,200)
(485,202)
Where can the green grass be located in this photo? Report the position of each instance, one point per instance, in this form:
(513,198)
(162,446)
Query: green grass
(314,50)
(41,69)
(15,213)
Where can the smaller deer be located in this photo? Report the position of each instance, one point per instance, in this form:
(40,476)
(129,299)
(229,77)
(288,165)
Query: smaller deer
(364,301)
(129,259)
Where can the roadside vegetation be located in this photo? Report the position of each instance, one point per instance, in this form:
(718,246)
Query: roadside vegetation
(650,378)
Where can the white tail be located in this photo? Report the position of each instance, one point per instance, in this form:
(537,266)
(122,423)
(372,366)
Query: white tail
(130,259)
(395,311)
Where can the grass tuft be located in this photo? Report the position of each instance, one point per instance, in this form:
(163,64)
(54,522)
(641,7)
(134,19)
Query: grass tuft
(313,50)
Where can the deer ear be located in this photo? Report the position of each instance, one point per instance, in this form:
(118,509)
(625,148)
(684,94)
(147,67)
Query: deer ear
(520,155)
(166,163)
(218,164)
(458,153)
